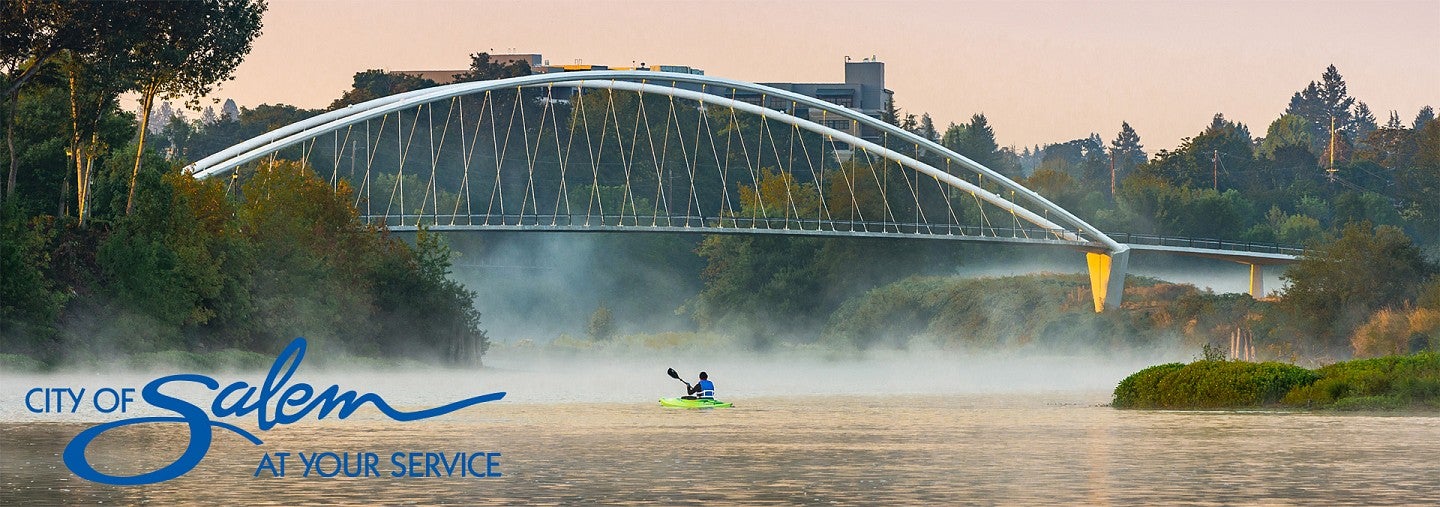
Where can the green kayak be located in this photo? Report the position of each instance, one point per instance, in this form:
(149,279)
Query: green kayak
(693,403)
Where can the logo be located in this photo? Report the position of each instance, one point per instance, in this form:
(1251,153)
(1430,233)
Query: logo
(276,402)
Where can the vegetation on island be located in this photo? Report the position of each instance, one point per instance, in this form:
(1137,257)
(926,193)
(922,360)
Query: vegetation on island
(1397,382)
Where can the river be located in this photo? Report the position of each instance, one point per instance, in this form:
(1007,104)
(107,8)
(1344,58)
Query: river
(1033,446)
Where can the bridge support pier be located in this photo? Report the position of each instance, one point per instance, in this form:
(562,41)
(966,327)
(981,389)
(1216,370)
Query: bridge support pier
(1257,281)
(1107,277)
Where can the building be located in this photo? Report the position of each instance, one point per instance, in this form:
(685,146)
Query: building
(448,76)
(863,89)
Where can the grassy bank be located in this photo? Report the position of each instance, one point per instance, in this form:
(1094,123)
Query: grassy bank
(1410,382)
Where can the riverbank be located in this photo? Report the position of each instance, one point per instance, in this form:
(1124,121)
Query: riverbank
(1410,382)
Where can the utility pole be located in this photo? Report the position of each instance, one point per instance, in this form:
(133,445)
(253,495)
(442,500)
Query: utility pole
(1112,175)
(1215,170)
(1330,172)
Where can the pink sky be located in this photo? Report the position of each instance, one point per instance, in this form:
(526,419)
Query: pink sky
(1040,71)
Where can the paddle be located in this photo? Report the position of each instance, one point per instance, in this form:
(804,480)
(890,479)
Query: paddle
(676,376)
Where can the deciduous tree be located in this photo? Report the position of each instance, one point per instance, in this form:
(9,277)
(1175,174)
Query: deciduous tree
(191,47)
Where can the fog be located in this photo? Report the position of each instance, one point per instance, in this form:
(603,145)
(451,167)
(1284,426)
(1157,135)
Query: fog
(538,286)
(745,379)
(533,288)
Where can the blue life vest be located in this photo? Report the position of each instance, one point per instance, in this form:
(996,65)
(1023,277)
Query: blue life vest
(707,388)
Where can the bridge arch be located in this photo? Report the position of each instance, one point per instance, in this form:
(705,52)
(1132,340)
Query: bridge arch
(1106,257)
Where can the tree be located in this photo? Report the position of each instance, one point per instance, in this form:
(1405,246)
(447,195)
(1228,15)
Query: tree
(161,117)
(1321,101)
(96,75)
(910,124)
(191,47)
(1364,122)
(230,111)
(1418,183)
(891,114)
(601,326)
(34,33)
(1394,122)
(1287,130)
(375,83)
(976,141)
(208,117)
(1425,116)
(1127,150)
(1210,159)
(482,69)
(1336,285)
(927,128)
(1084,159)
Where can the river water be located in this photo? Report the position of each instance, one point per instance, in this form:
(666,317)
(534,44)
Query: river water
(1034,446)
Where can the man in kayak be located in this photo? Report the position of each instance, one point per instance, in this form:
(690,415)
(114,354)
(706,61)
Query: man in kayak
(704,388)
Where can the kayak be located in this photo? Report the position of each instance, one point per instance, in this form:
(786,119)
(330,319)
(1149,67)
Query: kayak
(695,403)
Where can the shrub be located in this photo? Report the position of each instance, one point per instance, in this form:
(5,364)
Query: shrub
(1210,384)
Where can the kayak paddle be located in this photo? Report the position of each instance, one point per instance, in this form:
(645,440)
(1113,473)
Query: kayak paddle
(676,376)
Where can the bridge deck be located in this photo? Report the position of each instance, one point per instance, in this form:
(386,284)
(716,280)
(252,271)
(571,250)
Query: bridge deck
(1234,251)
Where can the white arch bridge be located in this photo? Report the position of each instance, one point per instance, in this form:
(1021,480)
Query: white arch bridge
(644,151)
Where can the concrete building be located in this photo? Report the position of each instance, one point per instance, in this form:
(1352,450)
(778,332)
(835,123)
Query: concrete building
(862,90)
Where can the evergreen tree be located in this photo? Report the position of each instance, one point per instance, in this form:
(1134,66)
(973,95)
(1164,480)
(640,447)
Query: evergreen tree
(951,137)
(161,117)
(1127,149)
(1364,122)
(208,117)
(910,124)
(927,128)
(230,111)
(978,140)
(891,115)
(1394,122)
(1426,115)
(1321,101)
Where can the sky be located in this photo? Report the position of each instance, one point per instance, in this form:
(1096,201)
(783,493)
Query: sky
(1040,71)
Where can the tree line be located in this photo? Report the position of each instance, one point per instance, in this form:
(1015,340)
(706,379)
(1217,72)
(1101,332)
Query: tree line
(107,247)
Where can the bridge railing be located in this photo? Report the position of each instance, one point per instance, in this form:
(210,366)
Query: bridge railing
(705,224)
(711,224)
(1213,244)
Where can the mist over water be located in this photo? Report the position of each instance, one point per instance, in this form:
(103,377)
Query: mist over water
(538,286)
(739,377)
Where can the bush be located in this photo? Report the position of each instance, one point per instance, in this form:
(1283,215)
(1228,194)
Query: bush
(1412,380)
(1383,383)
(1139,390)
(1210,384)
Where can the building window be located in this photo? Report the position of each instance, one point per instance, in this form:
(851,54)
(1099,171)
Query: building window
(841,125)
(778,104)
(840,100)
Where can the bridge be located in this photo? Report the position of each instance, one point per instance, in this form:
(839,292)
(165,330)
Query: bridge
(646,151)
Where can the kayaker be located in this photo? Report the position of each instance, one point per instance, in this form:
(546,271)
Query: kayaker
(705,388)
